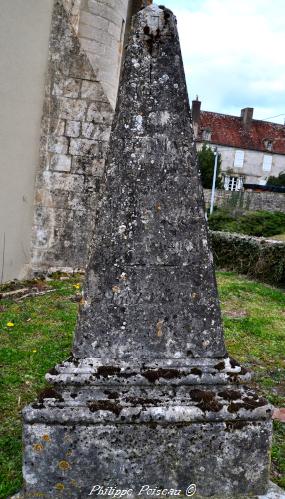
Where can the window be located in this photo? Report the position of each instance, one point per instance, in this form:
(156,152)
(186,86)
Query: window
(206,134)
(233,183)
(267,163)
(268,144)
(239,159)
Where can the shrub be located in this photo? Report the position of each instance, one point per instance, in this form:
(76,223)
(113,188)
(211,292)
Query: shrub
(257,258)
(280,180)
(254,223)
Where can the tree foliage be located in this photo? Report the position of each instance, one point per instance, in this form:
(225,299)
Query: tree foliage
(206,159)
(280,180)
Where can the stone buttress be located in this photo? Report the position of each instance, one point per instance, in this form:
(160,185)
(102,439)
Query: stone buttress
(150,395)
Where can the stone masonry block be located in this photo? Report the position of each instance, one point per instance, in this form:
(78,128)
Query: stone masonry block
(115,30)
(92,90)
(107,76)
(111,3)
(98,166)
(105,11)
(88,166)
(79,459)
(94,58)
(99,114)
(73,128)
(96,132)
(88,130)
(62,182)
(92,45)
(41,236)
(61,163)
(93,20)
(81,68)
(44,214)
(73,109)
(93,35)
(56,126)
(80,147)
(69,87)
(43,198)
(58,145)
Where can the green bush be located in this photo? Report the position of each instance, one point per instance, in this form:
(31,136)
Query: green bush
(255,257)
(254,223)
(279,181)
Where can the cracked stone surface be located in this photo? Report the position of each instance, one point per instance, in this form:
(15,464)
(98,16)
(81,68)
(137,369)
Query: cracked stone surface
(150,395)
(151,290)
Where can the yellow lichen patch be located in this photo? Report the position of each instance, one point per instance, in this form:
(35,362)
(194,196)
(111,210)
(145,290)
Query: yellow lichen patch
(38,447)
(116,289)
(64,465)
(158,207)
(46,438)
(68,453)
(159,328)
(59,486)
(73,483)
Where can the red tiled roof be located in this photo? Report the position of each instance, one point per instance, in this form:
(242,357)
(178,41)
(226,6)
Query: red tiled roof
(229,130)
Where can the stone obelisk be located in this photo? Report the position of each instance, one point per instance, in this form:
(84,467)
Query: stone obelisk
(150,397)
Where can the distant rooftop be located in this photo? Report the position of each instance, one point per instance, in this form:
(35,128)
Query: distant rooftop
(242,132)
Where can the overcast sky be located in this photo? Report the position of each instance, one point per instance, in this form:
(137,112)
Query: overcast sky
(234,54)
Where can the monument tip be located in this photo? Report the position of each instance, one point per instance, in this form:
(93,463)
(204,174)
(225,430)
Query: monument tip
(148,5)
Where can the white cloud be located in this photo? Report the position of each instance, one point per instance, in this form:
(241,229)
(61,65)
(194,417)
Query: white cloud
(233,53)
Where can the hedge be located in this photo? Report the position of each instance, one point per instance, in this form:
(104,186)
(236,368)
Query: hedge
(256,257)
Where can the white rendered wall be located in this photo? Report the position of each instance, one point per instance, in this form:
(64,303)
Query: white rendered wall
(24,35)
(252,167)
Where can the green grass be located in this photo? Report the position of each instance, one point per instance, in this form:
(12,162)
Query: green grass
(44,324)
(255,334)
(279,237)
(254,322)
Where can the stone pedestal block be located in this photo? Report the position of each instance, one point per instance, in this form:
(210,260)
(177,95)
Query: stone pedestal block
(140,430)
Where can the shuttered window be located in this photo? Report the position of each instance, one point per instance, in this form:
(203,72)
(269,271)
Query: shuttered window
(267,163)
(239,159)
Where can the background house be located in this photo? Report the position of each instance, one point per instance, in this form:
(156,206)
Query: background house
(251,150)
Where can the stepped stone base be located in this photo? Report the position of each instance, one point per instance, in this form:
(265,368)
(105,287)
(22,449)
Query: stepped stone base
(114,426)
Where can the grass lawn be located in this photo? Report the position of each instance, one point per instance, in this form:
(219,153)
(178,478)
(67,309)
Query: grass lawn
(42,336)
(279,237)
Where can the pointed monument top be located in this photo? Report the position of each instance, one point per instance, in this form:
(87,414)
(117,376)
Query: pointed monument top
(156,17)
(150,291)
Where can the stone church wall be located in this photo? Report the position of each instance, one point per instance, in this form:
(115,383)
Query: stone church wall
(86,48)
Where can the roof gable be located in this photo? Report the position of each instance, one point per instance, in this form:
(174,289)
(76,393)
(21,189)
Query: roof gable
(229,131)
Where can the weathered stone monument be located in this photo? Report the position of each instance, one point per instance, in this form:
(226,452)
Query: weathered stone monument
(150,398)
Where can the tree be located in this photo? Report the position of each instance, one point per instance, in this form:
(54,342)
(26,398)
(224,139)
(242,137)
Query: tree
(280,180)
(206,159)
